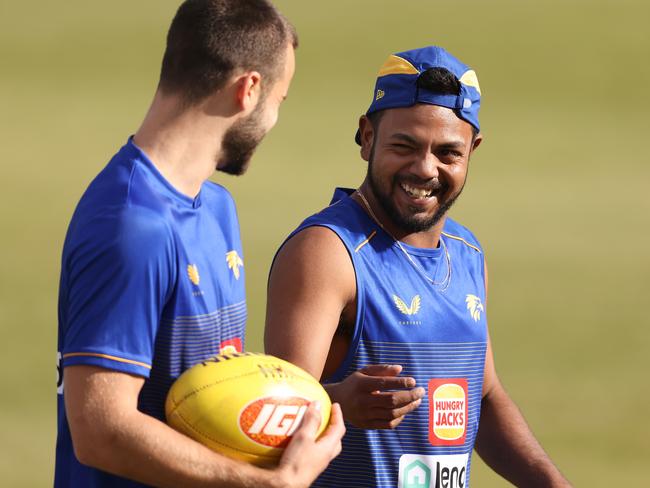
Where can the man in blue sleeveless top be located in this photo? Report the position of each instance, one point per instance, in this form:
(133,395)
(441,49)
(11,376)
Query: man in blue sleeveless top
(152,278)
(383,297)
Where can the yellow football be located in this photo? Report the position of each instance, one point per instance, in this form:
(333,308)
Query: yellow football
(244,405)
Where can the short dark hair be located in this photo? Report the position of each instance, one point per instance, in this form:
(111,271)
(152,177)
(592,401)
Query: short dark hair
(208,40)
(438,80)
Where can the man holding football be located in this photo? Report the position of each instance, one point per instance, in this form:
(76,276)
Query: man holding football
(383,297)
(152,278)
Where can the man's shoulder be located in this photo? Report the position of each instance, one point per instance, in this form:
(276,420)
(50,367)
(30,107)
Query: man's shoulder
(340,229)
(457,232)
(341,212)
(119,212)
(219,209)
(213,193)
(122,197)
(126,233)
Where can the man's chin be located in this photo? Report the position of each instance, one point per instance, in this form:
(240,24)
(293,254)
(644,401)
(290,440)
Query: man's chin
(234,167)
(418,221)
(414,225)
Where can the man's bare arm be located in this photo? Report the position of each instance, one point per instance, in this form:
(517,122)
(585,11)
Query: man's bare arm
(311,287)
(109,433)
(504,440)
(311,283)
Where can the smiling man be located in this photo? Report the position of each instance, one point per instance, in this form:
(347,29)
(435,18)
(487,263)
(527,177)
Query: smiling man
(383,297)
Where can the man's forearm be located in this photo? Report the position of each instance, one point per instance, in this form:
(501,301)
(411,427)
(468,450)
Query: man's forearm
(109,433)
(147,450)
(507,445)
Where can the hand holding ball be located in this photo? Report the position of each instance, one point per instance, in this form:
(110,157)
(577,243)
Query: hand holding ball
(245,405)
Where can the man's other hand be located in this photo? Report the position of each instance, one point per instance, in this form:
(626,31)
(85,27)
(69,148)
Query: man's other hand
(376,397)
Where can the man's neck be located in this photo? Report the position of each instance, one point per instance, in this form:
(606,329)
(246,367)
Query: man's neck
(183,144)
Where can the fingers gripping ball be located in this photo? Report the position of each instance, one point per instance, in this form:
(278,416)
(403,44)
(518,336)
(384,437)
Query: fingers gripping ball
(244,405)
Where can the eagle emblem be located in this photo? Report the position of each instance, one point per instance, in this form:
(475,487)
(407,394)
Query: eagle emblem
(234,262)
(406,310)
(193,274)
(475,307)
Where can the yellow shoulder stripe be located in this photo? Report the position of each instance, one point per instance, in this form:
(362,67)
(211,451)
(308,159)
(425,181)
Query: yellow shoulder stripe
(461,240)
(395,65)
(106,356)
(372,234)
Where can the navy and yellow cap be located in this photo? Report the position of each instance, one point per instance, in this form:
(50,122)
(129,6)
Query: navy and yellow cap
(397,84)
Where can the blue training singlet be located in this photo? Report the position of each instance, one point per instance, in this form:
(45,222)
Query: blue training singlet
(438,333)
(152,282)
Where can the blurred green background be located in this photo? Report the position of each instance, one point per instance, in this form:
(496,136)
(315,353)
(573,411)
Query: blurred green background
(558,193)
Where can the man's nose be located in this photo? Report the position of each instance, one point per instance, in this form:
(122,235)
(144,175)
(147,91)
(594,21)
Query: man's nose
(425,166)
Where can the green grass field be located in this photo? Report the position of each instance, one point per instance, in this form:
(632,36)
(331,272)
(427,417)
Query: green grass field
(558,193)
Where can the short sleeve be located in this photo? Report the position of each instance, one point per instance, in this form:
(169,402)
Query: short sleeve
(117,273)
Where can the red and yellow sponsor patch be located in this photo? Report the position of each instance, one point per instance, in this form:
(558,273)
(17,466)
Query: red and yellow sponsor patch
(447,411)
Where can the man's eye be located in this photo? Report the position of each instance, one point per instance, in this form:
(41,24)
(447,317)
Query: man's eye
(402,147)
(451,153)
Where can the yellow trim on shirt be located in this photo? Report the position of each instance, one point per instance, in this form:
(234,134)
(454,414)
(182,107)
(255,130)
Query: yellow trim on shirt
(461,240)
(105,356)
(372,234)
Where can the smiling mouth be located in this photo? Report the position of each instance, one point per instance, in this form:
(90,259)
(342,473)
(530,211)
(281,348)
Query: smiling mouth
(417,193)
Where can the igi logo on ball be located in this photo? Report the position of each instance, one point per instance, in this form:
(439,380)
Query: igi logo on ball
(271,421)
(447,411)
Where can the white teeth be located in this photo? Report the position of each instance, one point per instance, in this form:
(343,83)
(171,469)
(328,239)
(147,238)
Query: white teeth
(416,192)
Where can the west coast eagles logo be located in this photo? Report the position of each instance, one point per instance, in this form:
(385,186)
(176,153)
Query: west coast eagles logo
(475,306)
(406,310)
(234,262)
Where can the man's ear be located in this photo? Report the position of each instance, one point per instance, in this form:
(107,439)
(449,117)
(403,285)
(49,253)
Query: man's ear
(367,136)
(248,90)
(477,142)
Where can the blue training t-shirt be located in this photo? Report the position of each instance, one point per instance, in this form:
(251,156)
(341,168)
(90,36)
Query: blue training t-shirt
(436,331)
(152,282)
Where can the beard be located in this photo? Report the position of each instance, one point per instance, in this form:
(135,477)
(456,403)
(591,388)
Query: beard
(239,143)
(408,221)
